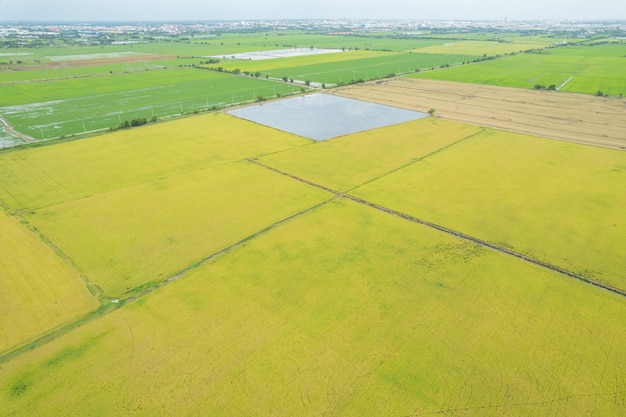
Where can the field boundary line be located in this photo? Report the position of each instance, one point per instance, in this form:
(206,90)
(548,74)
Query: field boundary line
(93,288)
(11,131)
(108,305)
(419,159)
(565,83)
(286,174)
(466,237)
(490,245)
(239,244)
(51,335)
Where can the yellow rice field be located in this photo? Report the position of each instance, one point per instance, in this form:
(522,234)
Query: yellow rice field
(351,160)
(342,311)
(39,177)
(276,297)
(147,233)
(38,291)
(559,202)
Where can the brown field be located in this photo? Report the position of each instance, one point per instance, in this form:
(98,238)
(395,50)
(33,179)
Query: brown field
(108,61)
(580,118)
(30,66)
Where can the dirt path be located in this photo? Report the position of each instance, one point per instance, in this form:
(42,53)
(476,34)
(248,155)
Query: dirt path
(580,118)
(109,306)
(565,83)
(455,233)
(9,129)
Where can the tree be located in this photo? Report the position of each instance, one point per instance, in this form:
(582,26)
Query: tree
(431,112)
(138,122)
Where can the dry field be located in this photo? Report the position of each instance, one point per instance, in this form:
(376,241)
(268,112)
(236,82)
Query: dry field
(107,61)
(580,118)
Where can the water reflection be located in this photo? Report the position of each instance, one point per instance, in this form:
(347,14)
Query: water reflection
(324,116)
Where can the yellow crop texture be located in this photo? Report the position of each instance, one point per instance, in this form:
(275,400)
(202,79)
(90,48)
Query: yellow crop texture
(147,233)
(38,291)
(38,177)
(348,161)
(559,202)
(342,311)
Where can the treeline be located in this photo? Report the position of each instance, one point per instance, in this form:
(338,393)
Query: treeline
(139,121)
(551,87)
(235,71)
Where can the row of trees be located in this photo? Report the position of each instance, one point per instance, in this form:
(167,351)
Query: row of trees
(139,121)
(551,87)
(235,71)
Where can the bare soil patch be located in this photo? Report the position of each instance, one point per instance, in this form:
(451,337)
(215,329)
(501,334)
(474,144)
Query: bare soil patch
(108,61)
(89,62)
(579,118)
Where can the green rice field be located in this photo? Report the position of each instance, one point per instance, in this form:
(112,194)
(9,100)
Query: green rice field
(579,69)
(56,108)
(478,48)
(363,66)
(63,91)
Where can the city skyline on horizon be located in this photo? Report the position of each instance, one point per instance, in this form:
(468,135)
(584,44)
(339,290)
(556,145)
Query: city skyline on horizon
(197,10)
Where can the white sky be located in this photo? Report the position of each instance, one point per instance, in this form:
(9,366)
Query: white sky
(168,10)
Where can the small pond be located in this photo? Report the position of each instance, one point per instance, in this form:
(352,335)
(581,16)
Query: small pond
(324,116)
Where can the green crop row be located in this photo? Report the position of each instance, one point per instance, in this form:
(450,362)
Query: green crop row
(56,108)
(580,69)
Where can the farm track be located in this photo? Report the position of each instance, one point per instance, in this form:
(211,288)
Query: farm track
(448,231)
(11,131)
(579,118)
(109,305)
(59,331)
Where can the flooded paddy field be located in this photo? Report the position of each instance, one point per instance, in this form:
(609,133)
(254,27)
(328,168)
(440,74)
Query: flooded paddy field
(322,117)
